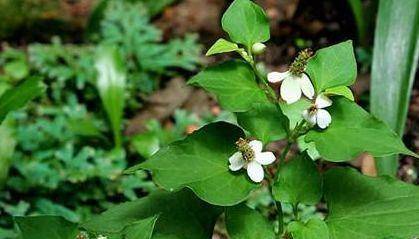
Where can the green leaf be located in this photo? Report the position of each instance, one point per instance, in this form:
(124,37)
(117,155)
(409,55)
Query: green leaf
(294,112)
(265,122)
(142,229)
(353,131)
(360,19)
(393,72)
(181,215)
(342,91)
(41,227)
(333,66)
(246,23)
(315,228)
(18,96)
(245,223)
(7,148)
(222,46)
(299,181)
(367,207)
(234,84)
(17,69)
(200,162)
(111,85)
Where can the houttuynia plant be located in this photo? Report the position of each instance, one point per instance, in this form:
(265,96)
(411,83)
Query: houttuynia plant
(210,174)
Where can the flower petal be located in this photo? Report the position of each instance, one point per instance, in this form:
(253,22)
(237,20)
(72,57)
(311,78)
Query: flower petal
(236,161)
(306,86)
(309,117)
(265,158)
(290,90)
(275,77)
(323,101)
(255,171)
(256,145)
(323,118)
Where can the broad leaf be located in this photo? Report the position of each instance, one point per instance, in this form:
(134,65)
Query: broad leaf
(245,223)
(342,91)
(18,96)
(333,66)
(181,215)
(222,46)
(265,122)
(111,85)
(200,162)
(246,23)
(234,85)
(41,227)
(393,71)
(299,181)
(315,228)
(367,207)
(353,131)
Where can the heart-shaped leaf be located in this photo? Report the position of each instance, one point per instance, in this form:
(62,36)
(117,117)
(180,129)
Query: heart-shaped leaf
(234,85)
(366,207)
(200,162)
(299,181)
(353,131)
(180,215)
(246,23)
(333,66)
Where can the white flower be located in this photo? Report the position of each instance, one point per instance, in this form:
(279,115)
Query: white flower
(252,158)
(292,85)
(102,237)
(317,114)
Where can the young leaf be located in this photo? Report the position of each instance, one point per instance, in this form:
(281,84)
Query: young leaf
(342,91)
(222,46)
(315,228)
(354,131)
(200,162)
(299,182)
(246,23)
(265,122)
(18,96)
(181,215)
(245,223)
(234,84)
(333,66)
(41,227)
(367,207)
(111,85)
(393,72)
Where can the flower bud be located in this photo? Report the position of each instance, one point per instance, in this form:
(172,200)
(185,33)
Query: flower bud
(258,48)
